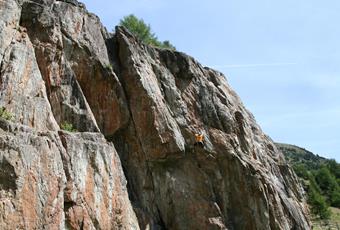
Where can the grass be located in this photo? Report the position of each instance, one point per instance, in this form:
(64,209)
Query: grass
(5,114)
(336,215)
(68,127)
(108,66)
(332,223)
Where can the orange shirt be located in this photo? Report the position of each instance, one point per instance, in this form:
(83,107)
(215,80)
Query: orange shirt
(199,137)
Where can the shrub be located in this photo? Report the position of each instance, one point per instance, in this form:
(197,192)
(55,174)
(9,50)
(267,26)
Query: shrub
(327,183)
(108,66)
(68,127)
(334,168)
(301,170)
(335,198)
(168,45)
(317,202)
(143,31)
(5,114)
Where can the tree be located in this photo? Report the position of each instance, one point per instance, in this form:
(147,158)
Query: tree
(316,201)
(301,170)
(318,205)
(335,198)
(167,44)
(143,31)
(327,183)
(334,168)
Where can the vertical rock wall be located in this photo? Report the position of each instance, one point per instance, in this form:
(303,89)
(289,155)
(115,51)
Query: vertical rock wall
(52,179)
(59,65)
(238,180)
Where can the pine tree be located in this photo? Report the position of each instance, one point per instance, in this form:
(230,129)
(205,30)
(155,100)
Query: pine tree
(317,202)
(143,31)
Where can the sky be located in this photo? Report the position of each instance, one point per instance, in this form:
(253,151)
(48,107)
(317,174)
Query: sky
(281,56)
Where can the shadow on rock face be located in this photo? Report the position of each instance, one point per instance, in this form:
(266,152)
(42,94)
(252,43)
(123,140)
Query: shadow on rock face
(7,176)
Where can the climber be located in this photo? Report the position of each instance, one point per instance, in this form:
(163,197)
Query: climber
(199,139)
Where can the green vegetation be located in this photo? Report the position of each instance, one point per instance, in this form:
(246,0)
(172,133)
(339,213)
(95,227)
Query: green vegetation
(336,215)
(108,66)
(297,155)
(317,202)
(320,177)
(332,223)
(143,31)
(5,114)
(68,127)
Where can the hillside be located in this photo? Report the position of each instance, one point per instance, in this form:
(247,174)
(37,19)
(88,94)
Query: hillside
(296,155)
(321,179)
(98,132)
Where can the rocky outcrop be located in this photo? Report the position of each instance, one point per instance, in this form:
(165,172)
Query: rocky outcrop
(59,180)
(59,65)
(239,180)
(51,179)
(70,46)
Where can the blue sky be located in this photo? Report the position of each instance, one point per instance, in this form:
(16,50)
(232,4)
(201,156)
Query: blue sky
(282,57)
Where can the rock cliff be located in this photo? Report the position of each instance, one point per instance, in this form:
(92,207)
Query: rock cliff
(135,108)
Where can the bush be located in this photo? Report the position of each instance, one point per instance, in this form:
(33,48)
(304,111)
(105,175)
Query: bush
(68,127)
(317,202)
(334,168)
(301,171)
(5,114)
(108,67)
(335,198)
(327,183)
(143,31)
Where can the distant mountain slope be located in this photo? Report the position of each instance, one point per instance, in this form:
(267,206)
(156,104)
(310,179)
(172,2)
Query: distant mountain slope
(320,176)
(295,155)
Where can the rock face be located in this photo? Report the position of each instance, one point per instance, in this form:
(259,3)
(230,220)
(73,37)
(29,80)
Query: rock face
(59,65)
(58,180)
(51,179)
(239,180)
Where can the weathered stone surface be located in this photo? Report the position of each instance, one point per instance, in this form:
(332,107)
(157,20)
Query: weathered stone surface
(59,64)
(22,92)
(95,195)
(73,58)
(66,97)
(33,197)
(52,180)
(239,180)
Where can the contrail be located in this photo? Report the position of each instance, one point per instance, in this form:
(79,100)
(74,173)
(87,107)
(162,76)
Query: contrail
(254,65)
